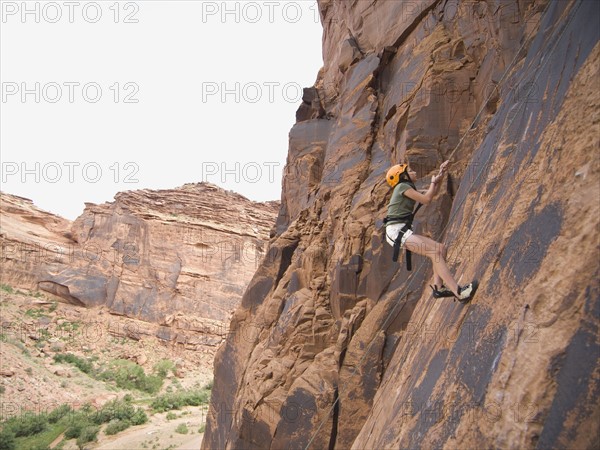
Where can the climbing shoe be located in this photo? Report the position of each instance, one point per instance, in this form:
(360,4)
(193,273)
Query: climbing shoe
(441,292)
(466,293)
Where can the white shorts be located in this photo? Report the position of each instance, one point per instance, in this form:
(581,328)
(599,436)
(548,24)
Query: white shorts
(393,230)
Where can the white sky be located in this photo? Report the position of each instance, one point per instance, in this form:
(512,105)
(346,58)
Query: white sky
(83,139)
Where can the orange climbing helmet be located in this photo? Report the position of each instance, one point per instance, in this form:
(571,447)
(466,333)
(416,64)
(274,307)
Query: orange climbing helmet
(394,174)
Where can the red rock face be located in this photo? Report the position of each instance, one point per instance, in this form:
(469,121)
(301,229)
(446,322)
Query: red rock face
(336,346)
(179,258)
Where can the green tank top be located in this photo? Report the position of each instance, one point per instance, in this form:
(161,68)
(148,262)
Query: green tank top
(400,204)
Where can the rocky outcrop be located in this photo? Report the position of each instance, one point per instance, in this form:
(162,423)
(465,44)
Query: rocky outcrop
(31,238)
(179,258)
(334,345)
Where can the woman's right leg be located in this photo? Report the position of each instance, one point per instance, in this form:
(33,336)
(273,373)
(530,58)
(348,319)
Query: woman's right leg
(436,252)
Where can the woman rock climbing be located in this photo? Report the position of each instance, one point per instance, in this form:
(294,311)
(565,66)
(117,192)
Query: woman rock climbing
(399,233)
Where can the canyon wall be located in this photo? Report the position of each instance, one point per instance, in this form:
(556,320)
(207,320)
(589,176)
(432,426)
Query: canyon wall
(336,346)
(178,258)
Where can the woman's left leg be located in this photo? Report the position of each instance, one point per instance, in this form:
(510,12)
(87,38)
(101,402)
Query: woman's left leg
(436,252)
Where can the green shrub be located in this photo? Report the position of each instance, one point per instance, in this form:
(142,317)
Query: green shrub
(163,367)
(152,384)
(35,313)
(7,440)
(176,400)
(82,364)
(6,288)
(28,424)
(181,428)
(119,410)
(171,416)
(76,425)
(88,434)
(116,426)
(128,375)
(82,425)
(113,410)
(88,409)
(58,413)
(139,417)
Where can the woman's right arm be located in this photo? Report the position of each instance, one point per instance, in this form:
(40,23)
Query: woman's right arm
(423,198)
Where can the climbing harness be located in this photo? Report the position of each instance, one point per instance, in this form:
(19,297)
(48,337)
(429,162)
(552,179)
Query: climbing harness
(407,220)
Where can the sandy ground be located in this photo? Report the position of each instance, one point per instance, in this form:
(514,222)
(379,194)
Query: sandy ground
(158,433)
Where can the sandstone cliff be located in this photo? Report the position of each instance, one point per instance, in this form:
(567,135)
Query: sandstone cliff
(177,258)
(335,346)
